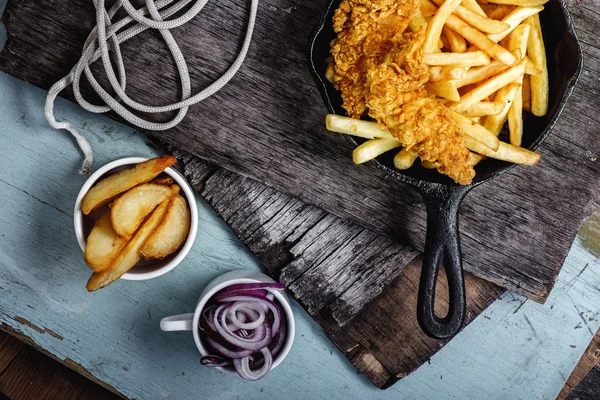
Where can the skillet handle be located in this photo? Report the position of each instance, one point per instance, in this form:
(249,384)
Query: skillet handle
(442,247)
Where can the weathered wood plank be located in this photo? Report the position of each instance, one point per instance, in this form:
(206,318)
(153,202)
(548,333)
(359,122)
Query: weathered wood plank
(589,359)
(9,348)
(589,388)
(32,375)
(268,124)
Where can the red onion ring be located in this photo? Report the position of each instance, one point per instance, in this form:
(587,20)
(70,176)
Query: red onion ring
(243,326)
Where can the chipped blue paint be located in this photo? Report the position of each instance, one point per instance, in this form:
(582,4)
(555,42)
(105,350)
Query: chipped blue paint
(515,349)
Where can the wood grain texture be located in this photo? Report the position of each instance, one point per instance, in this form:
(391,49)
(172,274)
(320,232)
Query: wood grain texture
(268,124)
(361,287)
(589,388)
(589,359)
(32,375)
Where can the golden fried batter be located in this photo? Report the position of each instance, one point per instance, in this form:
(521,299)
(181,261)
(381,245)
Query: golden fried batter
(378,66)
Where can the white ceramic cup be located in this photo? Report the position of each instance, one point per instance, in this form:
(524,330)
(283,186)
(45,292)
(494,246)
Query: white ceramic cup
(187,322)
(158,268)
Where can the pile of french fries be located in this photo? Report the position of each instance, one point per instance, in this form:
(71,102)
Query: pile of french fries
(145,217)
(487,64)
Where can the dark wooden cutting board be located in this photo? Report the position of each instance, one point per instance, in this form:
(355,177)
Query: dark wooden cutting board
(268,124)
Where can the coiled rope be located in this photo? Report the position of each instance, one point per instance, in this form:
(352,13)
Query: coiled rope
(108,36)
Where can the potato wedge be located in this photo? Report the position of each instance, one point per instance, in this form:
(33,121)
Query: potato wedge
(171,233)
(110,187)
(131,253)
(129,210)
(103,244)
(373,148)
(168,181)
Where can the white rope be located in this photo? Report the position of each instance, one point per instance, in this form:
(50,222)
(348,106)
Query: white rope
(107,36)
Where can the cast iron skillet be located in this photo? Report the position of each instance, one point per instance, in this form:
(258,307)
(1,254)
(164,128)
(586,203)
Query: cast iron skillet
(441,195)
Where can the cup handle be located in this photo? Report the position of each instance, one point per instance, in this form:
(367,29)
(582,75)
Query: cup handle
(181,322)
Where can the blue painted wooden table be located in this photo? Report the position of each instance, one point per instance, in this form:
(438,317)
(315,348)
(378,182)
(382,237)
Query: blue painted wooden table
(515,349)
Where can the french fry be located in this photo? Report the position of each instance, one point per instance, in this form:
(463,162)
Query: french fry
(404,159)
(517,40)
(427,8)
(130,254)
(478,74)
(457,59)
(476,131)
(108,188)
(474,6)
(446,73)
(505,152)
(540,87)
(484,108)
(373,148)
(428,164)
(505,95)
(481,41)
(481,22)
(417,22)
(477,120)
(521,3)
(356,127)
(490,86)
(531,69)
(517,16)
(497,11)
(330,72)
(474,159)
(445,89)
(515,119)
(457,42)
(435,25)
(526,89)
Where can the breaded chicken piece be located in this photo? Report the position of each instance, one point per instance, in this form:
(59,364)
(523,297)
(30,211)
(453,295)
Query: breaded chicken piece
(378,67)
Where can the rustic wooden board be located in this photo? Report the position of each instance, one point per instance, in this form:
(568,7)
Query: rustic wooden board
(589,359)
(33,375)
(268,124)
(361,287)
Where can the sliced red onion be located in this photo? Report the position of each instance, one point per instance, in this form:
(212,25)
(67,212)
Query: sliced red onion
(261,300)
(243,325)
(257,285)
(242,366)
